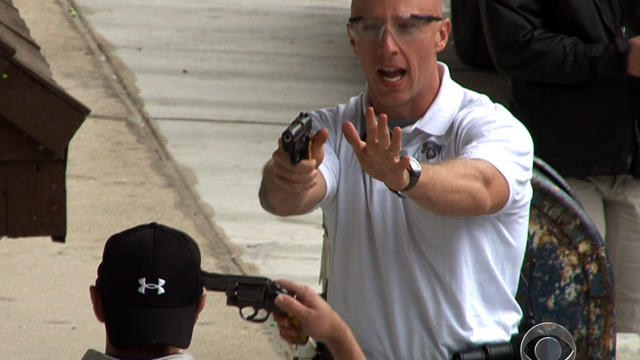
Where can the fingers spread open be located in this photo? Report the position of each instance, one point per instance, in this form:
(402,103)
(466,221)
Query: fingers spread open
(384,138)
(372,127)
(353,138)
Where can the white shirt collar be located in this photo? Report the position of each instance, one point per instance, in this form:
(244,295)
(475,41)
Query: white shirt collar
(441,113)
(444,108)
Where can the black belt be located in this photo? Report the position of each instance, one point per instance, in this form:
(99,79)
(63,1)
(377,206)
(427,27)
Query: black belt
(499,351)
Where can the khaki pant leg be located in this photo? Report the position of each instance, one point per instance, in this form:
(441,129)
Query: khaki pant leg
(622,208)
(591,199)
(613,203)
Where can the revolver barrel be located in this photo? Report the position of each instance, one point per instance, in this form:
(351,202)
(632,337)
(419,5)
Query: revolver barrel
(254,296)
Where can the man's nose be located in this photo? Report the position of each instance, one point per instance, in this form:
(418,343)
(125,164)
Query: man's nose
(388,39)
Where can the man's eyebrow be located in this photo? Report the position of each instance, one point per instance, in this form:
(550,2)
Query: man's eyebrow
(426,17)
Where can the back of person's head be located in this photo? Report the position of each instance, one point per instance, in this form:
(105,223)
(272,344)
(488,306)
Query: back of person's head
(149,287)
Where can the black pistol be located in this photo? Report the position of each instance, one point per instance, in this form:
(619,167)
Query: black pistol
(296,139)
(254,296)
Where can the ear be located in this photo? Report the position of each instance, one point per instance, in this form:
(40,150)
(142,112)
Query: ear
(352,41)
(442,36)
(96,300)
(201,303)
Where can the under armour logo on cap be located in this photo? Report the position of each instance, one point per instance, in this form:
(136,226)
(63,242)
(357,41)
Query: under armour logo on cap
(152,286)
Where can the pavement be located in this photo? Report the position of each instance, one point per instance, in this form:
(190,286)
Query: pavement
(188,98)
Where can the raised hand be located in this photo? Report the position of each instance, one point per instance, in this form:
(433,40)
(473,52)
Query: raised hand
(379,154)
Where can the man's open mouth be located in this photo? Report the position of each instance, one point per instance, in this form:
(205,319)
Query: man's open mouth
(392,75)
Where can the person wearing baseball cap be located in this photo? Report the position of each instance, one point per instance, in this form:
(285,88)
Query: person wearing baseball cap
(148,293)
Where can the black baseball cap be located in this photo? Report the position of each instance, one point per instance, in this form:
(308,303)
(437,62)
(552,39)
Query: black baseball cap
(149,283)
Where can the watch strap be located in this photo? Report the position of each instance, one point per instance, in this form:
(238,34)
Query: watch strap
(414,176)
(413,180)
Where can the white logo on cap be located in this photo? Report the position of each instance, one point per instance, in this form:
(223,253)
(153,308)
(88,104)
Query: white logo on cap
(144,286)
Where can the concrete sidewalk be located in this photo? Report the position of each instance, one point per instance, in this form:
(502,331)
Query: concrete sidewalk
(118,176)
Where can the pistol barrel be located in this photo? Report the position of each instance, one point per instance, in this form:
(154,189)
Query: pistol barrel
(296,138)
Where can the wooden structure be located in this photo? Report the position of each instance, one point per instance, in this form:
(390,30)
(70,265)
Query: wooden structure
(37,121)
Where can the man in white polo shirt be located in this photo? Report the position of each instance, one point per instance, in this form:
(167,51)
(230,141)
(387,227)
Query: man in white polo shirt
(425,188)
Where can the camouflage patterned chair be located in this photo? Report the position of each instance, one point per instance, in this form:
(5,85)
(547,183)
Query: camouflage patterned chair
(567,278)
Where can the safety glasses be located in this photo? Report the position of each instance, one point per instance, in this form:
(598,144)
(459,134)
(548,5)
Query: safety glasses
(403,28)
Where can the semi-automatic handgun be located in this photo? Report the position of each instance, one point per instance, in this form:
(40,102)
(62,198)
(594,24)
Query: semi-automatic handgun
(297,138)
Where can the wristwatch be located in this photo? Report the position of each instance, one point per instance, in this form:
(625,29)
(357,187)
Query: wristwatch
(414,169)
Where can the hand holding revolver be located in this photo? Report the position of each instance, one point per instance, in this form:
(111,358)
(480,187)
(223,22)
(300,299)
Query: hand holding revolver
(317,319)
(254,296)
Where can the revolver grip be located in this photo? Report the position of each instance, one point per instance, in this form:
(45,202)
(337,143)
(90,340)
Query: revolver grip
(302,336)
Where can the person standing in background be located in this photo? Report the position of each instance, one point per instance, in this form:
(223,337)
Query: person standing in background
(574,71)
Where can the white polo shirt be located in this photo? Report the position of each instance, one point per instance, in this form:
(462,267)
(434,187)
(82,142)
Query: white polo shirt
(410,283)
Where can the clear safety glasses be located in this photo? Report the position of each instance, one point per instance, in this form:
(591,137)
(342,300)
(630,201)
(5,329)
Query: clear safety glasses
(402,27)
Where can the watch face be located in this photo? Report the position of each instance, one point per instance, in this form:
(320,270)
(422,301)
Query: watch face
(414,164)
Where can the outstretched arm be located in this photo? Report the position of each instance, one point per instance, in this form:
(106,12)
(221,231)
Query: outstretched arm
(460,187)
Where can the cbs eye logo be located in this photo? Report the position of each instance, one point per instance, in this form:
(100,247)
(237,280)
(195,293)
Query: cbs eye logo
(548,341)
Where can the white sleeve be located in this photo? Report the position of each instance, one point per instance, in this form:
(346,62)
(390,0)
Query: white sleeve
(504,142)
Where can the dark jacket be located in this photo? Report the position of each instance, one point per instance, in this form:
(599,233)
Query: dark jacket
(566,61)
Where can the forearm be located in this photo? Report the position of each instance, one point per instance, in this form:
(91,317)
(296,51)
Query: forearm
(283,201)
(318,320)
(343,344)
(460,188)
